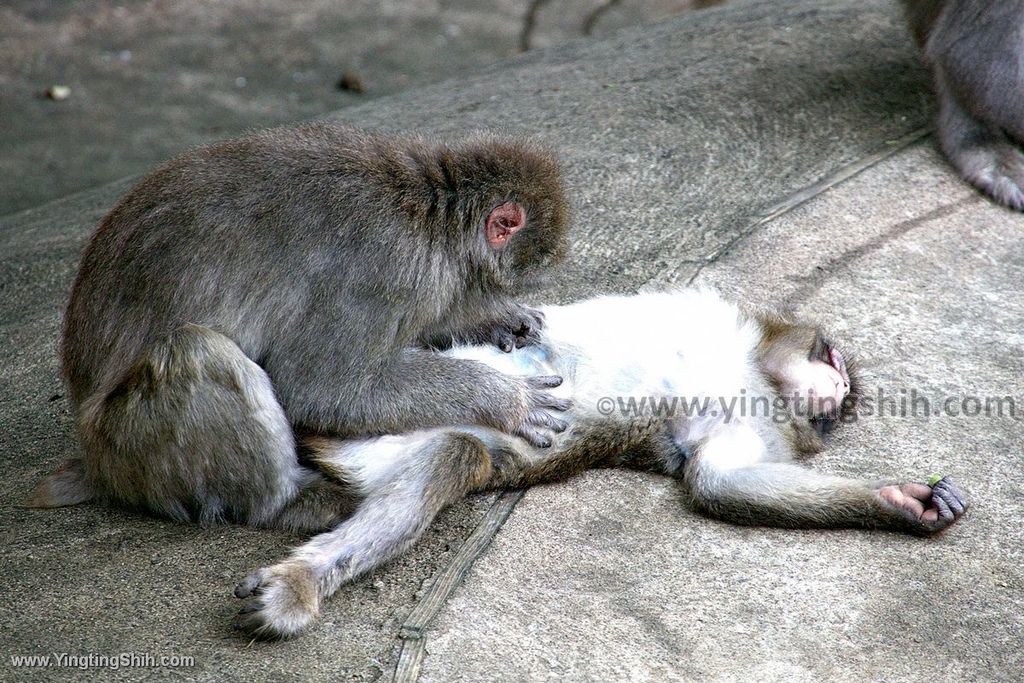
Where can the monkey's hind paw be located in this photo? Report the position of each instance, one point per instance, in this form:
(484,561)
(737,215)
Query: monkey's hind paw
(1004,189)
(280,601)
(997,169)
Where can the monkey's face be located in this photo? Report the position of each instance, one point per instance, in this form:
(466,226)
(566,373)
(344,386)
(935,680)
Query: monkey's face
(813,374)
(836,366)
(822,383)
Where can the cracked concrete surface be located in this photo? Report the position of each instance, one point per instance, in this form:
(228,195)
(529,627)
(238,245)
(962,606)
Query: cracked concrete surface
(677,138)
(609,577)
(151,78)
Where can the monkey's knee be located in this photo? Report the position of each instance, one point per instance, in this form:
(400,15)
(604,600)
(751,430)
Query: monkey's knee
(461,463)
(192,431)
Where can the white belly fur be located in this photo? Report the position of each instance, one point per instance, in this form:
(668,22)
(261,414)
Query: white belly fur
(687,343)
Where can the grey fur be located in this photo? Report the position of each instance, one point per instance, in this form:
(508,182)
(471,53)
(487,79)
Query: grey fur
(976,51)
(291,281)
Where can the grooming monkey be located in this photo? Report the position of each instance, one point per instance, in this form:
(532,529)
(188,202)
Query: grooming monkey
(291,282)
(738,466)
(976,51)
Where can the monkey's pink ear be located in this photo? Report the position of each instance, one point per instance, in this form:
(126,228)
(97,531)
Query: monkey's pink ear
(503,222)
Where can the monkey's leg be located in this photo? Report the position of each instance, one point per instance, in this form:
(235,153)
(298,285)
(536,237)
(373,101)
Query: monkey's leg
(406,480)
(194,432)
(983,154)
(729,478)
(589,444)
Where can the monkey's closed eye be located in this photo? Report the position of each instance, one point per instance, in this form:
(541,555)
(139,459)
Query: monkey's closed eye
(835,359)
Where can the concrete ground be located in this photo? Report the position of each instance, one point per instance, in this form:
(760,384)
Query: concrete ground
(151,78)
(688,146)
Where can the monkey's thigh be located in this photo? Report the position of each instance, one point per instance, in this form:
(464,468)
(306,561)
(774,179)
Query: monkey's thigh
(194,432)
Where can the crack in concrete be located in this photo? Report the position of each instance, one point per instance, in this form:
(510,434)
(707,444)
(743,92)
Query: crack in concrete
(794,200)
(530,23)
(813,281)
(443,584)
(591,19)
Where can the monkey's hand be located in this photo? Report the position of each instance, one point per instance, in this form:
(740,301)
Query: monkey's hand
(926,509)
(533,418)
(517,327)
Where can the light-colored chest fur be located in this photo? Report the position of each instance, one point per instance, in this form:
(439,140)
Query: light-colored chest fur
(686,345)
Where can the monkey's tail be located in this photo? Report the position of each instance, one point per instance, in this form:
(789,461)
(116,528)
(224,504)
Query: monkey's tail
(67,485)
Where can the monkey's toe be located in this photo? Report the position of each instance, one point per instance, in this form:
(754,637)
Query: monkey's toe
(534,437)
(250,584)
(542,419)
(280,601)
(560,404)
(506,341)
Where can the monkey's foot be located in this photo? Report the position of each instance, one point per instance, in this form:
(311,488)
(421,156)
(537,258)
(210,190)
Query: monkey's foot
(280,601)
(995,167)
(927,508)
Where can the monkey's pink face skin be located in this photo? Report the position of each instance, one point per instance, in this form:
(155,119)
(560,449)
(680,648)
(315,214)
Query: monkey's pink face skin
(504,221)
(821,385)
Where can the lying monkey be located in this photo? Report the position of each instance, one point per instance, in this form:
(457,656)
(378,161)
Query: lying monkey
(688,343)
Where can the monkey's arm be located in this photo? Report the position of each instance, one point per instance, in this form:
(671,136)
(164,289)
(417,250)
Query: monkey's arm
(728,478)
(417,390)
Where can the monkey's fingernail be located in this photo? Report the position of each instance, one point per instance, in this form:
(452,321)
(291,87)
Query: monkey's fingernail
(558,426)
(520,342)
